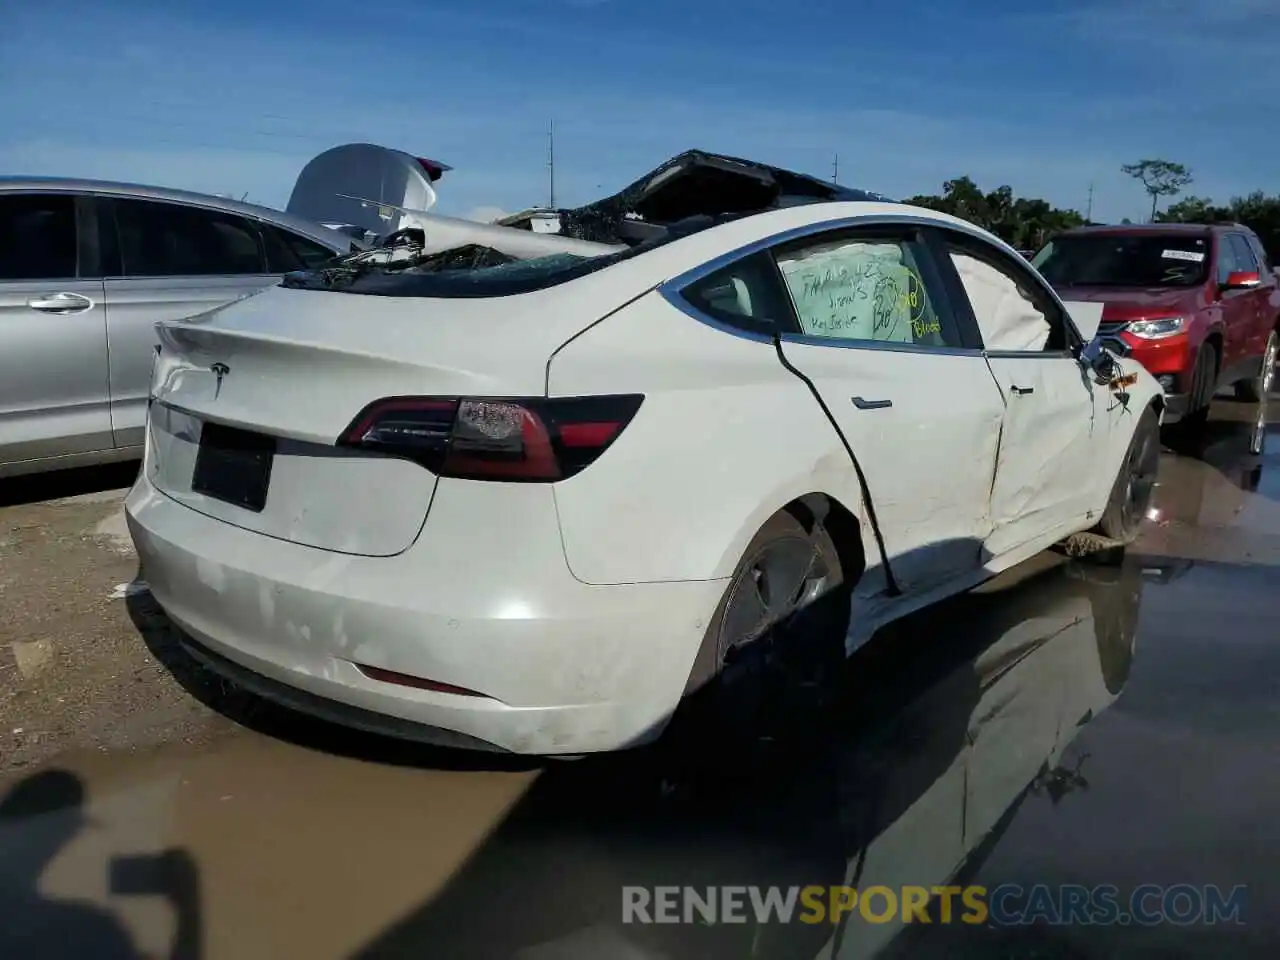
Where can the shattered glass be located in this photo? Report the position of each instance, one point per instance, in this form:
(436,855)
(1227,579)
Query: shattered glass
(690,192)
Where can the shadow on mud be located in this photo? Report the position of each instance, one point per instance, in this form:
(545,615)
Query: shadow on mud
(39,816)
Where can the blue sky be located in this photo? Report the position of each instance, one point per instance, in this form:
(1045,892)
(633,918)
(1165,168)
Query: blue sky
(234,97)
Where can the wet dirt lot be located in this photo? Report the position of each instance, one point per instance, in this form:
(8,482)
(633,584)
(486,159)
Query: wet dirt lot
(1068,723)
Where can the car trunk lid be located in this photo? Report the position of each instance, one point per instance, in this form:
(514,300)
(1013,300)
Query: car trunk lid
(249,401)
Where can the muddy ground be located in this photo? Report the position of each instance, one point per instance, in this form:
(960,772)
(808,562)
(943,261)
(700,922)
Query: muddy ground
(74,669)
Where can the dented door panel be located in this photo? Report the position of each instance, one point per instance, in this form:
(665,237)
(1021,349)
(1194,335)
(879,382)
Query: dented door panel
(1055,435)
(924,427)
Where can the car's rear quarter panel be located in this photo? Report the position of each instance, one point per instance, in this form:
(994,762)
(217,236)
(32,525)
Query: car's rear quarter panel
(725,437)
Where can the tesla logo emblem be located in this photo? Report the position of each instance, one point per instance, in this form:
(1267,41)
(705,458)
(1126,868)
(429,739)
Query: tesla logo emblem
(220,370)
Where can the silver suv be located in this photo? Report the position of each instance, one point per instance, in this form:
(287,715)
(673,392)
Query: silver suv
(86,270)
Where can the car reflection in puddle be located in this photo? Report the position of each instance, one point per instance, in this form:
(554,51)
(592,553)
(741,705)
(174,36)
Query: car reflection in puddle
(949,721)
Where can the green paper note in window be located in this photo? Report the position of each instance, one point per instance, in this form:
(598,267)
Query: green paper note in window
(854,291)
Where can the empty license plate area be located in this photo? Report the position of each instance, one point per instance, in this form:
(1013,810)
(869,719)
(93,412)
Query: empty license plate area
(234,466)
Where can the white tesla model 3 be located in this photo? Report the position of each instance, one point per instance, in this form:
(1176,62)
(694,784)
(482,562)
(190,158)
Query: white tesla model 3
(529,506)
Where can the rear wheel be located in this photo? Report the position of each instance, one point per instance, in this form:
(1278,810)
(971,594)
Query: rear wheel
(1255,388)
(1135,483)
(773,649)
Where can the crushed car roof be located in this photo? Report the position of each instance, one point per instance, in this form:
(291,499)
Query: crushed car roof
(695,183)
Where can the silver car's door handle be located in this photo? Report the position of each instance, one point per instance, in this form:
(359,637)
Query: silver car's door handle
(1022,391)
(60,303)
(871,404)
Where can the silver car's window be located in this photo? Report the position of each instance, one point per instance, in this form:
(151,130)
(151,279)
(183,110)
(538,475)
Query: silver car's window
(172,240)
(37,237)
(286,251)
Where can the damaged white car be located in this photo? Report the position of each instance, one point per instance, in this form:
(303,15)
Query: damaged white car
(529,491)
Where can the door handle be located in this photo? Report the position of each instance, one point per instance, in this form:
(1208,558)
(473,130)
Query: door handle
(60,303)
(1022,391)
(871,404)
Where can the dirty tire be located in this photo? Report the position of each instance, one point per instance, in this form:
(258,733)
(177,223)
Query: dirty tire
(1135,481)
(1255,388)
(1202,384)
(774,647)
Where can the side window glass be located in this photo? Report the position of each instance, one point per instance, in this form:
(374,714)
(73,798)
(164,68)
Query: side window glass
(37,237)
(1260,252)
(287,251)
(160,239)
(1245,260)
(745,294)
(281,258)
(1227,263)
(311,253)
(1014,314)
(866,290)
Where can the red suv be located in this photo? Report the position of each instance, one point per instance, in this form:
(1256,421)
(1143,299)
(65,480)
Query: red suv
(1198,306)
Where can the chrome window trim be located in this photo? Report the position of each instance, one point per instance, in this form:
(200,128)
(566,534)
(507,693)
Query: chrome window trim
(888,346)
(1029,355)
(672,290)
(673,297)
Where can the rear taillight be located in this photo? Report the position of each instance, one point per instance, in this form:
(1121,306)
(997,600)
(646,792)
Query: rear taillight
(537,439)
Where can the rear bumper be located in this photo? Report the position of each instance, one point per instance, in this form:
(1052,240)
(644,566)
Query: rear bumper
(483,601)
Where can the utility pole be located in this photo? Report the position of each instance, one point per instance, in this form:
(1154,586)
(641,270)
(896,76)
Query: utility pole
(1089,210)
(551,161)
(835,168)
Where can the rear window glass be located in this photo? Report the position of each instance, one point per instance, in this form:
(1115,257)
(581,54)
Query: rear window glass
(507,279)
(497,280)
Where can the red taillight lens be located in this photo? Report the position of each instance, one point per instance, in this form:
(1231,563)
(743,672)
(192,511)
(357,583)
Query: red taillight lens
(536,439)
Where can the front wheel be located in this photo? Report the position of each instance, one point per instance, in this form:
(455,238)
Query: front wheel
(1255,388)
(1135,483)
(1203,379)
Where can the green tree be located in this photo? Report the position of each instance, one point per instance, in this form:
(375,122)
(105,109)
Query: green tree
(1160,178)
(1257,211)
(1193,210)
(1025,223)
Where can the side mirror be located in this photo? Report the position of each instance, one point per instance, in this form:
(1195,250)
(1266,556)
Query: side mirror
(1100,358)
(1242,280)
(1118,348)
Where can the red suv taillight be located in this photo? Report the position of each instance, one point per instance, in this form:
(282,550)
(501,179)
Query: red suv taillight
(535,439)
